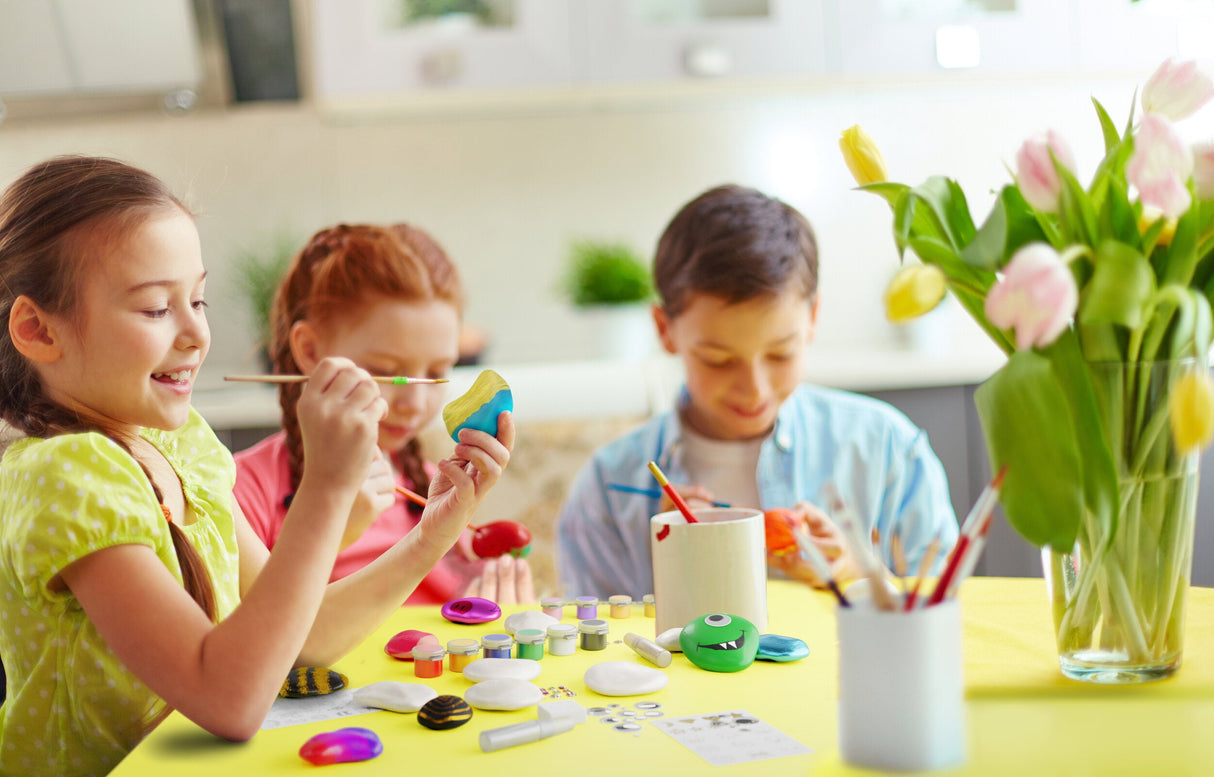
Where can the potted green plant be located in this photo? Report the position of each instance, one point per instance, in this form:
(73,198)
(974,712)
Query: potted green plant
(258,271)
(611,288)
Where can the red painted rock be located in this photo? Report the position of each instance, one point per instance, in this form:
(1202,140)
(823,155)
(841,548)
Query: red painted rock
(401,646)
(499,538)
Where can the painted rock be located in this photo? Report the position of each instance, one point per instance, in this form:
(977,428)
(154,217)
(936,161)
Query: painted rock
(471,609)
(478,407)
(503,694)
(394,696)
(444,712)
(499,538)
(528,619)
(401,646)
(345,745)
(501,668)
(773,647)
(306,681)
(720,643)
(777,527)
(624,678)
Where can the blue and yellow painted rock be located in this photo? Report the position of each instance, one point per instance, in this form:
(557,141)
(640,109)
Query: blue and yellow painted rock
(444,712)
(478,407)
(304,681)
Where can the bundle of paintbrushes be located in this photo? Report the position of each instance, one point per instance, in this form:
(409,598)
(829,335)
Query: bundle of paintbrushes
(958,566)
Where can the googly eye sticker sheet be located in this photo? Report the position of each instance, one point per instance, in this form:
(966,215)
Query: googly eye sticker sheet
(733,737)
(292,712)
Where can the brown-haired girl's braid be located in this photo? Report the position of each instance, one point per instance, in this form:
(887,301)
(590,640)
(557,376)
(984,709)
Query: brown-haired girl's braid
(339,269)
(51,218)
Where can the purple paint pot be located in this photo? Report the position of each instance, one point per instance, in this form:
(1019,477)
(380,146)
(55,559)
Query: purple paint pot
(471,609)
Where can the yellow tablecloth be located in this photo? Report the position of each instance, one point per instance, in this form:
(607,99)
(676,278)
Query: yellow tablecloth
(1024,718)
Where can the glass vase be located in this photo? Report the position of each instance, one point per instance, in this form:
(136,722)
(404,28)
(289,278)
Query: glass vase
(1119,595)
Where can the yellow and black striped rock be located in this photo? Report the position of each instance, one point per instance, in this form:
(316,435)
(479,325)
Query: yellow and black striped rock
(306,681)
(444,712)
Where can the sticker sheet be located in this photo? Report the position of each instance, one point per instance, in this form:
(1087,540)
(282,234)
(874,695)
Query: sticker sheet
(330,706)
(733,737)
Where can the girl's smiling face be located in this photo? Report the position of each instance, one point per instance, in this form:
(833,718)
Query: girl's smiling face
(391,337)
(741,360)
(130,352)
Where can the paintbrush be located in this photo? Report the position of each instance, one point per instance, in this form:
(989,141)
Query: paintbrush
(850,523)
(674,495)
(393,380)
(821,567)
(653,493)
(925,568)
(975,525)
(412,496)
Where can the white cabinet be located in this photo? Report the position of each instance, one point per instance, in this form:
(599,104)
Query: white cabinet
(667,40)
(1136,37)
(83,46)
(914,37)
(364,47)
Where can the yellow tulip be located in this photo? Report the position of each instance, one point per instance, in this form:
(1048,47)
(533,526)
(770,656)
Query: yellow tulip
(1147,220)
(915,290)
(1191,411)
(862,156)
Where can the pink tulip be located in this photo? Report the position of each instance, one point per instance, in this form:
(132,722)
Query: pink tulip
(1203,170)
(1036,296)
(1160,166)
(1035,172)
(1176,90)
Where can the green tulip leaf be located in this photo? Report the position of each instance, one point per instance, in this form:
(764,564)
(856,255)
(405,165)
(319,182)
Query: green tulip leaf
(1077,211)
(886,190)
(1117,217)
(1009,226)
(1182,254)
(1107,127)
(947,208)
(1122,283)
(1029,428)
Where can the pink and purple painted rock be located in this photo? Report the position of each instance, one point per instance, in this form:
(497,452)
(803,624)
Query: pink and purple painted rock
(499,538)
(345,745)
(471,609)
(401,646)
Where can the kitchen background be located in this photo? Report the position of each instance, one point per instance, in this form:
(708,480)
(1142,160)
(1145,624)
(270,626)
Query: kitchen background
(514,127)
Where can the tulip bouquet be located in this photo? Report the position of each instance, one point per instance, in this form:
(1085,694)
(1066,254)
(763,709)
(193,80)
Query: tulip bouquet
(1100,296)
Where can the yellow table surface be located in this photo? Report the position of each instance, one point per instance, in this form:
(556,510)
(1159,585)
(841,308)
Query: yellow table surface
(1024,717)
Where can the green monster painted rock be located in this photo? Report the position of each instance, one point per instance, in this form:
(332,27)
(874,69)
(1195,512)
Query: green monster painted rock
(720,643)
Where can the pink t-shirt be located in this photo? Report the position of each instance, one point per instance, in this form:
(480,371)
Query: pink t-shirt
(263,482)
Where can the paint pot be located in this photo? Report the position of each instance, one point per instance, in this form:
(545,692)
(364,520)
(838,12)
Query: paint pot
(621,606)
(530,644)
(716,565)
(553,606)
(593,633)
(461,652)
(562,639)
(428,660)
(651,608)
(496,645)
(587,607)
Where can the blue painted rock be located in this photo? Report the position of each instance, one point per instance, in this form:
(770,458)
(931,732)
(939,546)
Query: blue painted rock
(471,609)
(444,712)
(720,642)
(345,745)
(479,406)
(773,647)
(304,681)
(401,646)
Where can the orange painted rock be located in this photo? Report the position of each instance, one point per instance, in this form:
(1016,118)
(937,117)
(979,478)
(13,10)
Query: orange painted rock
(777,526)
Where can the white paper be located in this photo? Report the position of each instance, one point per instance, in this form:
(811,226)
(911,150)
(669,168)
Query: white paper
(732,737)
(330,706)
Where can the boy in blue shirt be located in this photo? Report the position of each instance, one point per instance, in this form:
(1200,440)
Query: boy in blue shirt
(737,273)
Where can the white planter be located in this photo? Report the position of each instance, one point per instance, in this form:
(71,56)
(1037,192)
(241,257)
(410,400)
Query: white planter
(622,332)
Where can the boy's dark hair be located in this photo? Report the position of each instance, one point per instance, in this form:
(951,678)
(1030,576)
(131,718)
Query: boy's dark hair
(737,244)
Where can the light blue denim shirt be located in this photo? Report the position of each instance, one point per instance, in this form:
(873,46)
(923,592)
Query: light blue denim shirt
(881,463)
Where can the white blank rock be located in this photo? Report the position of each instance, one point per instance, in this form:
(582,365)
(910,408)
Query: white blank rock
(394,696)
(528,619)
(502,668)
(503,694)
(624,678)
